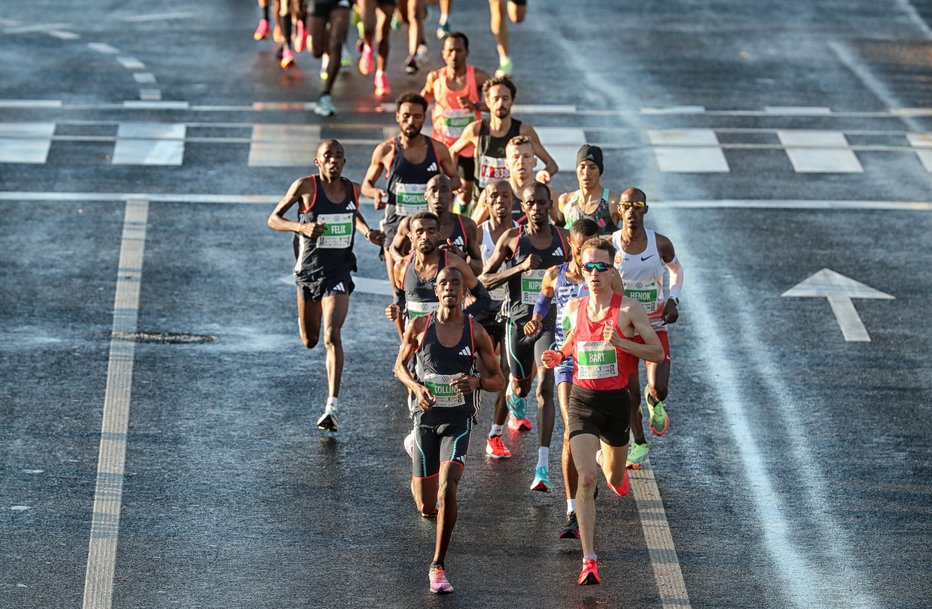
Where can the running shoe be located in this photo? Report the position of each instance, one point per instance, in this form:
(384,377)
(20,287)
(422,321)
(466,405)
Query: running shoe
(438,580)
(366,60)
(300,38)
(277,34)
(381,83)
(411,66)
(622,489)
(346,58)
(636,455)
(505,68)
(570,528)
(396,21)
(422,52)
(324,106)
(443,30)
(495,448)
(327,422)
(324,64)
(410,443)
(517,406)
(522,424)
(590,573)
(659,421)
(262,30)
(541,480)
(287,58)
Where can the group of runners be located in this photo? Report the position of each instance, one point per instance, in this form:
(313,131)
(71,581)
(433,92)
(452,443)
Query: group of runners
(322,30)
(499,282)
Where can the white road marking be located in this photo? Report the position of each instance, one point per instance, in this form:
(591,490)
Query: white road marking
(156,105)
(150,94)
(39,27)
(562,143)
(798,110)
(63,35)
(131,63)
(144,78)
(149,144)
(108,494)
(8,22)
(103,47)
(922,142)
(813,151)
(839,290)
(688,150)
(30,103)
(25,142)
(283,145)
(672,109)
(158,17)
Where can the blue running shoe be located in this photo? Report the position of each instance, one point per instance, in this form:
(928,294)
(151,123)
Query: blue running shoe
(541,480)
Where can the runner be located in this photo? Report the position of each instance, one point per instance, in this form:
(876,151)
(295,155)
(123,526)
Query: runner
(499,196)
(565,283)
(446,346)
(283,32)
(458,234)
(323,242)
(517,11)
(519,164)
(598,411)
(329,22)
(416,275)
(408,160)
(641,259)
(592,200)
(454,89)
(532,249)
(376,18)
(262,30)
(491,137)
(412,13)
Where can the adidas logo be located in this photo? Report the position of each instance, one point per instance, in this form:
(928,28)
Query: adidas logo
(433,167)
(466,351)
(558,251)
(339,287)
(351,206)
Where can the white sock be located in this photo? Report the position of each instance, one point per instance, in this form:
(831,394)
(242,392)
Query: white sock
(570,506)
(496,430)
(592,556)
(331,405)
(543,456)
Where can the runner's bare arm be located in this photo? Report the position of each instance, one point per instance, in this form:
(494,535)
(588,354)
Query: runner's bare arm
(495,381)
(277,221)
(481,77)
(448,165)
(491,278)
(376,168)
(473,249)
(409,344)
(633,312)
(376,237)
(401,237)
(469,136)
(550,166)
(668,255)
(481,213)
(428,91)
(480,293)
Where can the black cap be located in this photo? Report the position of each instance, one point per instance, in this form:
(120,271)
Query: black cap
(590,153)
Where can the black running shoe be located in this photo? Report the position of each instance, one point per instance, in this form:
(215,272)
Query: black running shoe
(411,66)
(570,528)
(328,422)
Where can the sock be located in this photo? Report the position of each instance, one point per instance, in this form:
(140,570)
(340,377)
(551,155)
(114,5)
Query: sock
(570,506)
(332,405)
(265,12)
(591,556)
(286,30)
(443,20)
(543,456)
(650,399)
(496,430)
(641,441)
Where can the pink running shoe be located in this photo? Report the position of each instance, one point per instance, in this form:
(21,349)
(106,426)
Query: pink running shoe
(262,30)
(590,573)
(287,58)
(381,84)
(366,61)
(438,580)
(300,38)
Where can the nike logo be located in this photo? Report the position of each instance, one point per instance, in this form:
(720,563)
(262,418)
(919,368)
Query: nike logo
(643,258)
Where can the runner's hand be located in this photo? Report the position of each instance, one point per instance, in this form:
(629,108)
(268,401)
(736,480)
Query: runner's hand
(531,262)
(392,312)
(312,229)
(543,176)
(551,358)
(532,328)
(608,333)
(424,399)
(376,237)
(466,103)
(466,383)
(670,312)
(452,248)
(381,199)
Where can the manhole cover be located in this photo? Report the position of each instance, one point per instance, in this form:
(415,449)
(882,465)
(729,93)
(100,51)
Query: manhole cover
(169,338)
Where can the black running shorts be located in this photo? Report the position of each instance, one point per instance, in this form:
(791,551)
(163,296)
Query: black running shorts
(321,9)
(524,352)
(439,437)
(332,285)
(606,414)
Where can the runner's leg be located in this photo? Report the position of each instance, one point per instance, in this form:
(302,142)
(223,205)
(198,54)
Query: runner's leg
(335,309)
(309,316)
(584,447)
(499,26)
(517,12)
(570,477)
(450,474)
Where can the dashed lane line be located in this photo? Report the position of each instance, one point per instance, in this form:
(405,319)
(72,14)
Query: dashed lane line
(108,493)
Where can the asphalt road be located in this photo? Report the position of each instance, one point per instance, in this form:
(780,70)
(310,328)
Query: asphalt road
(774,141)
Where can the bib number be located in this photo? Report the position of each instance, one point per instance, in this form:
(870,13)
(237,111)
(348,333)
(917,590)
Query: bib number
(645,292)
(339,231)
(596,359)
(454,121)
(492,169)
(416,309)
(531,282)
(409,199)
(445,393)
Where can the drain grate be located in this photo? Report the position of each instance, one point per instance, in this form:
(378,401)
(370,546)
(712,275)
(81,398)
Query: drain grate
(167,338)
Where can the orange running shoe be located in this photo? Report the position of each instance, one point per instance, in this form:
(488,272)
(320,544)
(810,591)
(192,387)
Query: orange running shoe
(381,83)
(495,448)
(262,30)
(366,61)
(590,573)
(287,58)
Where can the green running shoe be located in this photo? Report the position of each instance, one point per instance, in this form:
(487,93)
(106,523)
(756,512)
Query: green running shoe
(659,421)
(636,455)
(505,67)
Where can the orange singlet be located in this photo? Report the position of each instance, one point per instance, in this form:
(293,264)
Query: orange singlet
(449,117)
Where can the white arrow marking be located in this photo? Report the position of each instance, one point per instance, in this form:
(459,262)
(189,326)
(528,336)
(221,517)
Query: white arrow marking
(839,290)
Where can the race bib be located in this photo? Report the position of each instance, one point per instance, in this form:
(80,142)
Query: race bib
(500,293)
(531,282)
(596,359)
(339,231)
(646,292)
(409,199)
(491,169)
(416,309)
(454,120)
(444,392)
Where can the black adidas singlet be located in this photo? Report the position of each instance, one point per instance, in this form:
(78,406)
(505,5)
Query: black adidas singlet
(490,153)
(420,297)
(436,366)
(407,183)
(332,252)
(524,289)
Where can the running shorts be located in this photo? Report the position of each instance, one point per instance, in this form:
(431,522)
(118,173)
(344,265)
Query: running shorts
(321,9)
(523,351)
(518,2)
(332,285)
(439,437)
(605,414)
